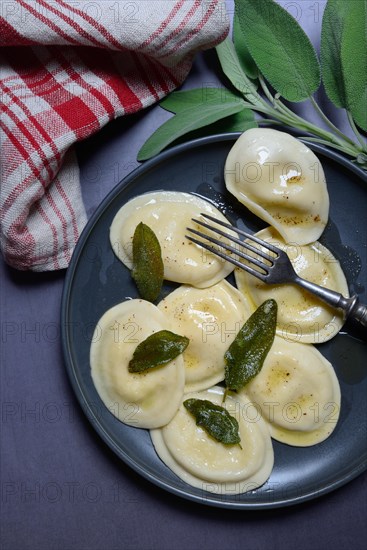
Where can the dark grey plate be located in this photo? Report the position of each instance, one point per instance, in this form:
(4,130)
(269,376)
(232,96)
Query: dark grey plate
(96,281)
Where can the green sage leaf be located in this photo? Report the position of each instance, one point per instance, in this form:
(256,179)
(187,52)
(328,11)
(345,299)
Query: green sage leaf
(354,60)
(246,355)
(186,121)
(215,420)
(148,269)
(186,99)
(247,63)
(239,122)
(331,39)
(233,70)
(157,350)
(280,48)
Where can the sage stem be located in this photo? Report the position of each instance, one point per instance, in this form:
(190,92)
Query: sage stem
(355,130)
(328,121)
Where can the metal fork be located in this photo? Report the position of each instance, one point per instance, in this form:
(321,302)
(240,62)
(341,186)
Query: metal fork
(271,266)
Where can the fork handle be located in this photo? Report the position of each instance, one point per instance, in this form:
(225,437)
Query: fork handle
(357,311)
(353,309)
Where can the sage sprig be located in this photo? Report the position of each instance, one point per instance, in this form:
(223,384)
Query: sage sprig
(270,60)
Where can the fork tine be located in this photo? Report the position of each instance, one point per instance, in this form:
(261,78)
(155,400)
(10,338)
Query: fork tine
(230,248)
(233,261)
(244,244)
(240,232)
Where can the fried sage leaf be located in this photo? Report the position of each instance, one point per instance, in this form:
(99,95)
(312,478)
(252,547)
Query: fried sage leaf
(157,350)
(148,269)
(215,420)
(246,355)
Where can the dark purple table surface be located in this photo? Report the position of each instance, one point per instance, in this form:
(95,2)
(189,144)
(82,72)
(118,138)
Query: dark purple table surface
(61,486)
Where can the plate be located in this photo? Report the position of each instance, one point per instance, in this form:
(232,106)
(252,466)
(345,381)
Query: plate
(96,280)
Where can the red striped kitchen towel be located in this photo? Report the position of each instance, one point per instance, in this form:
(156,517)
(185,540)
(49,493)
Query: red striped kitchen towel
(66,69)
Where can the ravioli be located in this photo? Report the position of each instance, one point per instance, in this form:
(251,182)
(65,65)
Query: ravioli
(210,318)
(297,392)
(301,316)
(168,213)
(207,464)
(142,400)
(280,180)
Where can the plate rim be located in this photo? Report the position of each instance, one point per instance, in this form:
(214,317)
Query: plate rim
(67,354)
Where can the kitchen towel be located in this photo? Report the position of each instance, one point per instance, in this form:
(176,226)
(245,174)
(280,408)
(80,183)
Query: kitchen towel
(66,70)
